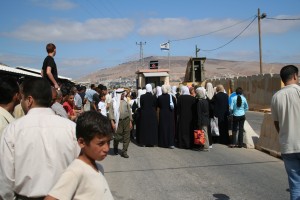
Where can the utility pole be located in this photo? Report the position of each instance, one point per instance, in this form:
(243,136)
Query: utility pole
(141,53)
(259,17)
(197,50)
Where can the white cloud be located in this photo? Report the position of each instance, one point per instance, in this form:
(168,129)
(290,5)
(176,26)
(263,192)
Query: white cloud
(280,26)
(179,28)
(55,4)
(236,55)
(64,30)
(80,62)
(18,60)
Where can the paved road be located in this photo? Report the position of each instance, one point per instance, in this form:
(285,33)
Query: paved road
(177,174)
(255,120)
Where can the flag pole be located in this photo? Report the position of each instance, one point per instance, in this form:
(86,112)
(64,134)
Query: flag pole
(169,53)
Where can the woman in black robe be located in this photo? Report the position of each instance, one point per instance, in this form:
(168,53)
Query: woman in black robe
(221,111)
(148,124)
(166,127)
(186,115)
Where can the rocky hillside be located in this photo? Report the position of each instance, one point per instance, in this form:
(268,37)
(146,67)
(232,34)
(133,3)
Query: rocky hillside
(213,69)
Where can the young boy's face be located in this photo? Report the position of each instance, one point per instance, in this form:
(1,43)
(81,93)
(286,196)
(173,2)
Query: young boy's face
(71,99)
(98,148)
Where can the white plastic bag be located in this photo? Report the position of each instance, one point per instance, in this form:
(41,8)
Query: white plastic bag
(171,103)
(214,126)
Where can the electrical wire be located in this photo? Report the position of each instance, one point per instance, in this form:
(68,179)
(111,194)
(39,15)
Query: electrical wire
(231,39)
(213,31)
(281,18)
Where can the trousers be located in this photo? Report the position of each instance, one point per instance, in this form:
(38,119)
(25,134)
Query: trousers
(123,134)
(238,121)
(292,167)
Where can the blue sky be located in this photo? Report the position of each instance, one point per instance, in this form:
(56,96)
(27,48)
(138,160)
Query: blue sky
(94,34)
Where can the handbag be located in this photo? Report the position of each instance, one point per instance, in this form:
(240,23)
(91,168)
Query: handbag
(171,102)
(214,126)
(199,137)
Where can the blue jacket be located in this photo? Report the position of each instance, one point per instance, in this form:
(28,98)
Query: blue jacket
(238,111)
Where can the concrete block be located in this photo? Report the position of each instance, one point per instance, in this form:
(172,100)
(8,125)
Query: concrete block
(269,139)
(250,137)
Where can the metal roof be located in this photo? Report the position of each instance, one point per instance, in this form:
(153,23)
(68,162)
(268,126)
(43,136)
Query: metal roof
(157,74)
(18,71)
(39,71)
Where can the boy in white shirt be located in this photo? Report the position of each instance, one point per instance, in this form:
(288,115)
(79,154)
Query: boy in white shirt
(102,106)
(84,179)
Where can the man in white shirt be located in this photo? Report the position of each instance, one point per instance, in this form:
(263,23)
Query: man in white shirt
(107,96)
(37,148)
(9,98)
(285,107)
(56,106)
(77,98)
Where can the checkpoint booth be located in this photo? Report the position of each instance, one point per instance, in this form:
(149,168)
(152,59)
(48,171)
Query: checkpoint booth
(153,75)
(195,70)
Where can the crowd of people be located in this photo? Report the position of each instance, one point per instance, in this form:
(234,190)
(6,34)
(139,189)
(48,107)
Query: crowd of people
(51,135)
(167,116)
(45,130)
(62,131)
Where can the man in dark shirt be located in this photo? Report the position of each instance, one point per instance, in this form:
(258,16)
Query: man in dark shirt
(49,70)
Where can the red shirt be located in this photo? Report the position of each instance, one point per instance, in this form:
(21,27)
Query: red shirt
(69,108)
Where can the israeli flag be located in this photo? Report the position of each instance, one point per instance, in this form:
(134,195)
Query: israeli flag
(165,46)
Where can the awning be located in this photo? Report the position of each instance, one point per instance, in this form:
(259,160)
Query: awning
(156,74)
(17,71)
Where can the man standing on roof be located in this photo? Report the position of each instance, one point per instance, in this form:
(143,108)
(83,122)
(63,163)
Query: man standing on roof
(49,70)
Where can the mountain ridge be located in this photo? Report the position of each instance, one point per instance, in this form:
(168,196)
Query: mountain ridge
(214,68)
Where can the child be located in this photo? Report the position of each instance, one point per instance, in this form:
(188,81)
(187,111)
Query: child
(83,179)
(102,105)
(69,107)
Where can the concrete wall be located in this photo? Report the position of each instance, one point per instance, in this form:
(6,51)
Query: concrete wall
(258,89)
(269,138)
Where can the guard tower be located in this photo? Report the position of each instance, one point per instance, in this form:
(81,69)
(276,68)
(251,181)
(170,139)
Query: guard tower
(195,70)
(153,75)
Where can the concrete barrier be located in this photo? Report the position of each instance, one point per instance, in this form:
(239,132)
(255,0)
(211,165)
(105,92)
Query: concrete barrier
(258,89)
(269,139)
(250,137)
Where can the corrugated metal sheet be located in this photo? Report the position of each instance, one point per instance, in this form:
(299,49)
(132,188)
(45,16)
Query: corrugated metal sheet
(18,71)
(39,71)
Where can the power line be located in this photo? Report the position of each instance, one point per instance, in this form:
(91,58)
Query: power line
(231,39)
(213,31)
(282,18)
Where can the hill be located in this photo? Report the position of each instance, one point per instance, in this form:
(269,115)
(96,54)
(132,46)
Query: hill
(214,68)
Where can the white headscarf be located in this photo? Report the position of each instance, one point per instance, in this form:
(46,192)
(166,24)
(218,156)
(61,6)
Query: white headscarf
(149,88)
(164,89)
(139,94)
(174,88)
(201,92)
(158,91)
(144,91)
(169,89)
(185,90)
(210,92)
(116,105)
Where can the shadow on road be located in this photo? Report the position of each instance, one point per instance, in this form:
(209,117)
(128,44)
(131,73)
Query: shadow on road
(221,196)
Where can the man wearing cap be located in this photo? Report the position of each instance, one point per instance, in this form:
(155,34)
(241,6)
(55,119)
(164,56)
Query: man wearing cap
(121,121)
